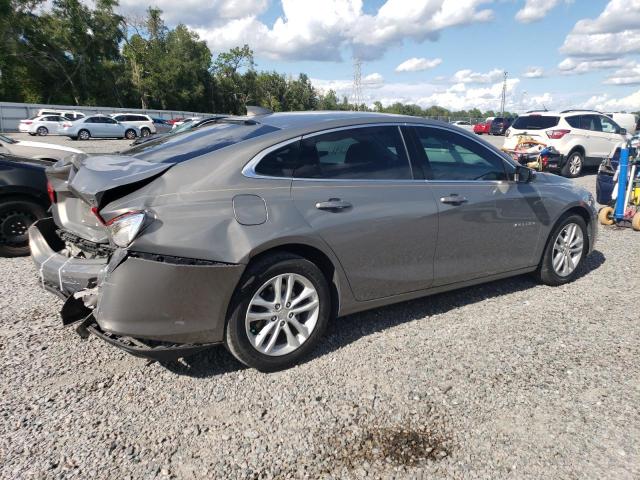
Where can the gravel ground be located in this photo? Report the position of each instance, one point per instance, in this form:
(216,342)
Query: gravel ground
(505,380)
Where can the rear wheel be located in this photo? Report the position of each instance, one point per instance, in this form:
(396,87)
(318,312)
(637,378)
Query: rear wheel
(565,252)
(42,131)
(573,166)
(279,312)
(84,135)
(130,134)
(16,216)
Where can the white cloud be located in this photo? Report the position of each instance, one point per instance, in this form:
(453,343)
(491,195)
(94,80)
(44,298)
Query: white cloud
(321,31)
(416,64)
(570,66)
(534,72)
(535,10)
(469,76)
(627,75)
(607,103)
(615,32)
(373,80)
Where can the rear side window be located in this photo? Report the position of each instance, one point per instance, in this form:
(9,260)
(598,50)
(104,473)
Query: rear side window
(535,122)
(365,153)
(574,121)
(451,156)
(282,162)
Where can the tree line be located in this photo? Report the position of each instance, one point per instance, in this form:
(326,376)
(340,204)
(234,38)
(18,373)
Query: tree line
(67,52)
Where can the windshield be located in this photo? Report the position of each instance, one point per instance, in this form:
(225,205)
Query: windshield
(7,139)
(179,147)
(535,122)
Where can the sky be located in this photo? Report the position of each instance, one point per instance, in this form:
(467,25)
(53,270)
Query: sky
(451,53)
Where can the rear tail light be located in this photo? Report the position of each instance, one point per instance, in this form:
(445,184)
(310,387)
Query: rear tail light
(556,134)
(26,122)
(66,125)
(508,132)
(51,193)
(544,160)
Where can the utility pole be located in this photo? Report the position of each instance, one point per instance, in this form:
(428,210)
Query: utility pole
(356,93)
(504,93)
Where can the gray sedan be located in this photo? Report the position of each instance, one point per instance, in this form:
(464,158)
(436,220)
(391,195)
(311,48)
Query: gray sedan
(254,231)
(98,126)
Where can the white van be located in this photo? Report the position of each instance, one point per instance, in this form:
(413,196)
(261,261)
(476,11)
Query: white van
(628,121)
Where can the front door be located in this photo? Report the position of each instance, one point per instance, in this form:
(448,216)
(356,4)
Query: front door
(487,224)
(355,187)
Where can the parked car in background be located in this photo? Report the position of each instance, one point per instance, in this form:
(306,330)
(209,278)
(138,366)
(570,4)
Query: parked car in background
(37,150)
(71,115)
(23,200)
(162,125)
(185,120)
(98,126)
(42,125)
(499,125)
(582,137)
(628,121)
(483,127)
(254,231)
(144,123)
(463,124)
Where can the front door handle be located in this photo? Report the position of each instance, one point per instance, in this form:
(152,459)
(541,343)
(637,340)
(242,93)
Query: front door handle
(453,199)
(333,205)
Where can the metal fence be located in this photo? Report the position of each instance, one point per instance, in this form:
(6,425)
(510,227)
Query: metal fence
(12,113)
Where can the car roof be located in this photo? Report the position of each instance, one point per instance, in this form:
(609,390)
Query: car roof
(319,120)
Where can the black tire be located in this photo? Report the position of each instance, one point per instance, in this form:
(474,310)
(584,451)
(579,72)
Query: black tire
(42,131)
(236,338)
(145,132)
(32,134)
(16,216)
(84,134)
(545,272)
(130,134)
(572,168)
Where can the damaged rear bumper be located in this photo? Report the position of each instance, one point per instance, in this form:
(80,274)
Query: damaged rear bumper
(144,297)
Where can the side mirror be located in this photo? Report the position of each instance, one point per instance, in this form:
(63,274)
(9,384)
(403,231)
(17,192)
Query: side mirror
(524,174)
(622,131)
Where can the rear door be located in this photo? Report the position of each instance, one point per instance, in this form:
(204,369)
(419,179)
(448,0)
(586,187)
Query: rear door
(488,224)
(355,187)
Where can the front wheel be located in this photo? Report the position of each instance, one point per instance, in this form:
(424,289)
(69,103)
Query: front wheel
(573,167)
(565,252)
(130,134)
(145,132)
(16,216)
(279,312)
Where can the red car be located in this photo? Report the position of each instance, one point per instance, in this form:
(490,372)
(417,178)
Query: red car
(483,127)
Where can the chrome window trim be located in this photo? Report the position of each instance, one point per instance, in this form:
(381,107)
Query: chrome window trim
(249,169)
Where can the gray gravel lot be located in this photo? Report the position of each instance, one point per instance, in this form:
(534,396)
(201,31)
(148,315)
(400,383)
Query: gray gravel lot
(505,380)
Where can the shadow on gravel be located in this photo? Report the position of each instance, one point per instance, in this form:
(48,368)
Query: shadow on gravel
(345,330)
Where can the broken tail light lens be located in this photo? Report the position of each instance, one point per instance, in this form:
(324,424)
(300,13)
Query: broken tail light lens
(125,228)
(556,134)
(51,193)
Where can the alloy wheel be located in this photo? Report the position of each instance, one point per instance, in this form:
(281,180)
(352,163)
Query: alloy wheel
(282,314)
(575,164)
(84,135)
(568,249)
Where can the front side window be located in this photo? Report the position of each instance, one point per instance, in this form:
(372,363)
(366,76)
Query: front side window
(366,153)
(451,156)
(608,125)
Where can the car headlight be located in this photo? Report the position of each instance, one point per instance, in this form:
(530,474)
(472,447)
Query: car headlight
(125,228)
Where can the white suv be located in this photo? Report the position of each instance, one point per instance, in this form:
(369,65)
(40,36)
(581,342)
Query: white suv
(582,137)
(143,122)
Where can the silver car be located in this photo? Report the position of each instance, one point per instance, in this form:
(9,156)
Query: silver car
(39,150)
(98,126)
(253,232)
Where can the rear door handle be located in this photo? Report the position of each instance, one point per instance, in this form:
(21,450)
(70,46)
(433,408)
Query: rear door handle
(453,199)
(333,205)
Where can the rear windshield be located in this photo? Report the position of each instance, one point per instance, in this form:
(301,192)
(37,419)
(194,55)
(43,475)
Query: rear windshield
(193,143)
(535,122)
